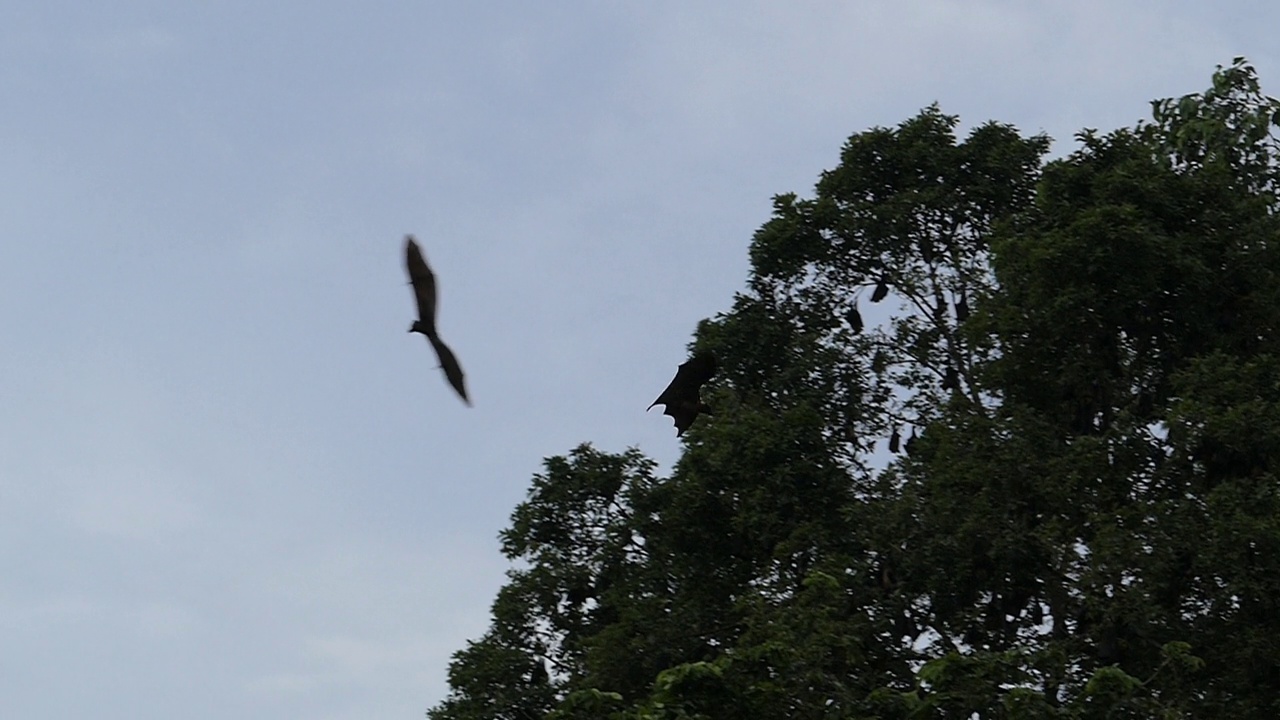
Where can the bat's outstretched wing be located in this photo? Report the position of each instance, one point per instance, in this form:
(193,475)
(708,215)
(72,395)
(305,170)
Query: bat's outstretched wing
(449,363)
(682,397)
(424,292)
(690,377)
(424,286)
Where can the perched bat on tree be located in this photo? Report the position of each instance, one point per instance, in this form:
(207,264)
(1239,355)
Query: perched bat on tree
(683,396)
(962,309)
(882,289)
(424,291)
(910,444)
(855,318)
(894,439)
(538,675)
(950,378)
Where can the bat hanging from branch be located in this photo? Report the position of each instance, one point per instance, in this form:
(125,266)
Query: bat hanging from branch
(424,291)
(854,318)
(682,398)
(882,289)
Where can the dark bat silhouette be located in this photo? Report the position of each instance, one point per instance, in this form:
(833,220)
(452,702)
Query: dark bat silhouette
(950,378)
(894,439)
(962,309)
(882,289)
(683,397)
(910,444)
(855,318)
(424,292)
(538,675)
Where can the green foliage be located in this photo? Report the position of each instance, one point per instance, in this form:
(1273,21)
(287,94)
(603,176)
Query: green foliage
(1083,354)
(1227,127)
(589,704)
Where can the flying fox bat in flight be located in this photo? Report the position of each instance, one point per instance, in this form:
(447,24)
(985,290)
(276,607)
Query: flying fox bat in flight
(424,291)
(682,397)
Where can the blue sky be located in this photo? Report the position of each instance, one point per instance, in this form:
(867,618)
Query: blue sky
(231,484)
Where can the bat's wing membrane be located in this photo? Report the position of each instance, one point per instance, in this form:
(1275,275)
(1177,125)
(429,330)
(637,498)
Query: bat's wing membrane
(452,369)
(682,397)
(424,282)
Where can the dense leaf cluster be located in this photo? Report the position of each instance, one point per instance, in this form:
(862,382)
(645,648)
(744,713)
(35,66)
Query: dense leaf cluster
(1087,525)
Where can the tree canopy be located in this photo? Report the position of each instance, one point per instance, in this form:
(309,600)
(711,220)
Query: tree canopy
(1077,360)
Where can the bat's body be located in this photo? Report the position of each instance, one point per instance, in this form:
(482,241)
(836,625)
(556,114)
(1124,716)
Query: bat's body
(882,289)
(424,292)
(682,397)
(855,318)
